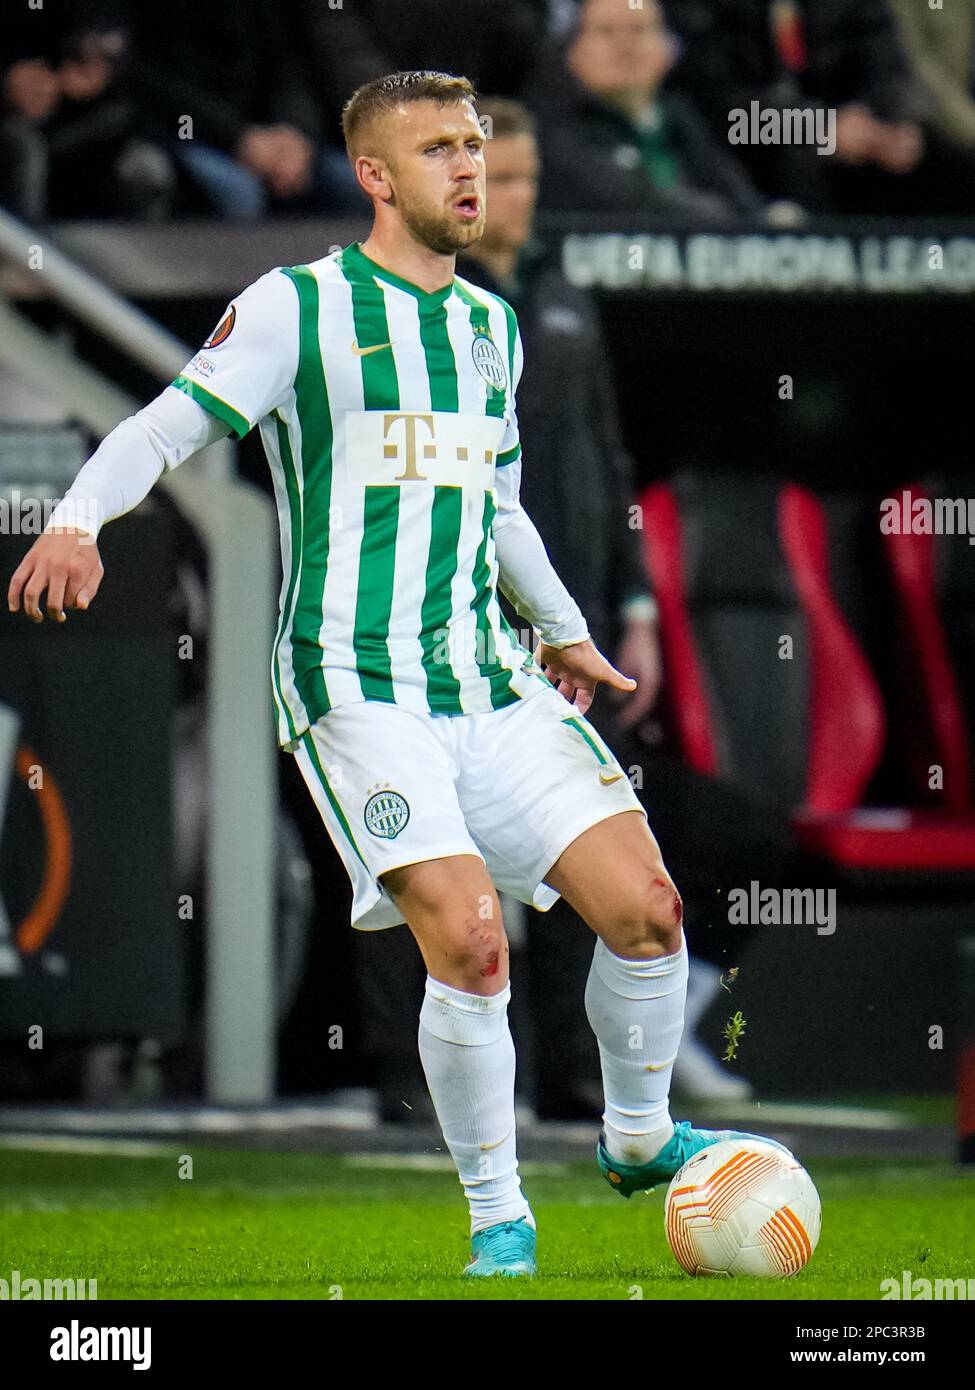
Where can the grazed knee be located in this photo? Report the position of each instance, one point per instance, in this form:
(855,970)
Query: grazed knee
(648,920)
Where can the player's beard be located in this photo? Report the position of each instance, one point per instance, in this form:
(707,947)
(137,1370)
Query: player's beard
(437,228)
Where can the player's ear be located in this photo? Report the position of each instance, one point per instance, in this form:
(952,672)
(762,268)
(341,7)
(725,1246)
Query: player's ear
(373,176)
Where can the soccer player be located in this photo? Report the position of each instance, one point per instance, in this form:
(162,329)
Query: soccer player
(446,761)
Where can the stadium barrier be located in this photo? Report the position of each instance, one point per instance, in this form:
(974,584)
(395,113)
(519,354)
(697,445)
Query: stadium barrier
(242,798)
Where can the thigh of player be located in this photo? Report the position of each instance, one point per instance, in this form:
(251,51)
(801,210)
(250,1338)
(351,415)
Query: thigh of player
(383,779)
(553,812)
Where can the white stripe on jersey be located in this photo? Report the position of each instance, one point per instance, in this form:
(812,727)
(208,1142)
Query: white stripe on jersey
(343,379)
(284,652)
(472,389)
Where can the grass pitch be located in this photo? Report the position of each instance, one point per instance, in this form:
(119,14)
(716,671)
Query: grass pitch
(256,1225)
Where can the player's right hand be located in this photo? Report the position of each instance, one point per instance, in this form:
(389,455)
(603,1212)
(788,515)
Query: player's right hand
(63,564)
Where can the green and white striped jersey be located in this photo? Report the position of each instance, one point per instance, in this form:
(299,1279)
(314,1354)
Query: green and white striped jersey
(384,411)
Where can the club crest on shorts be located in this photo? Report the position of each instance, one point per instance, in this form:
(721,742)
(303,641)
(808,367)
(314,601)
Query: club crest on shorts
(386,814)
(489,362)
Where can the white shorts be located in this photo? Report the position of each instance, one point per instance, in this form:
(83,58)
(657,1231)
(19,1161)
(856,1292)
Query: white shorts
(513,786)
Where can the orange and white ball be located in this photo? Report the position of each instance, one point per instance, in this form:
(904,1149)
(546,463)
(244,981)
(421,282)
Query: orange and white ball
(742,1207)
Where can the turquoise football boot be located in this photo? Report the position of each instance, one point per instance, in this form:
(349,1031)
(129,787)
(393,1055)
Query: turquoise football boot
(628,1178)
(507,1249)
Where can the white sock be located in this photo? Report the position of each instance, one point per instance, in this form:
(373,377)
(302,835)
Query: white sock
(636,1010)
(468,1059)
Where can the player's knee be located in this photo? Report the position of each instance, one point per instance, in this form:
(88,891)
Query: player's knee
(455,915)
(477,951)
(649,921)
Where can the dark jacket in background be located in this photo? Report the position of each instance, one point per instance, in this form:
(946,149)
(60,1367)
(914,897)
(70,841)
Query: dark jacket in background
(577,479)
(52,33)
(493,42)
(852,54)
(591,159)
(68,164)
(228,64)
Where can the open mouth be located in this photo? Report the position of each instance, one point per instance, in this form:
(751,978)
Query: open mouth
(469,206)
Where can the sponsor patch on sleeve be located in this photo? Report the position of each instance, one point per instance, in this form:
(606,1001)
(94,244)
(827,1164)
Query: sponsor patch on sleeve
(223,329)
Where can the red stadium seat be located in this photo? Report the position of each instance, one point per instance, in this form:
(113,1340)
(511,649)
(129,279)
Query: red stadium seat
(845,719)
(929,684)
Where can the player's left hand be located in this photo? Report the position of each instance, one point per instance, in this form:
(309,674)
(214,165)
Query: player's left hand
(576,671)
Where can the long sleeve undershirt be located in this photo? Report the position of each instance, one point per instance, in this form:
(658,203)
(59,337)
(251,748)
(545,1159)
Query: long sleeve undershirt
(132,458)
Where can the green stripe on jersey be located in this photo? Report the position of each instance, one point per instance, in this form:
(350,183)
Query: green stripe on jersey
(481,324)
(294,512)
(498,676)
(237,422)
(380,388)
(439,353)
(374,599)
(313,411)
(443,687)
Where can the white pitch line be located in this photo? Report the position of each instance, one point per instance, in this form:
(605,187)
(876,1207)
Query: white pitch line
(270,1119)
(229,1121)
(436,1163)
(821,1116)
(81,1143)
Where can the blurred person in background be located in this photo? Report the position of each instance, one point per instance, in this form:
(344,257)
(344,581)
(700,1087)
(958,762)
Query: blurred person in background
(616,138)
(495,41)
(224,85)
(844,55)
(70,128)
(940,48)
(574,449)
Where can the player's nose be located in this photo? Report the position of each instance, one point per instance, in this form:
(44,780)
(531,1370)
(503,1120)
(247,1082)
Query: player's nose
(466,166)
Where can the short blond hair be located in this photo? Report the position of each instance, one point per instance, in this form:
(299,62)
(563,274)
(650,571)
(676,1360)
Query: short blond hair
(384,94)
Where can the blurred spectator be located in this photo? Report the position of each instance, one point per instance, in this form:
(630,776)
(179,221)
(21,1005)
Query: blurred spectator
(613,140)
(70,141)
(223,84)
(493,42)
(843,55)
(940,47)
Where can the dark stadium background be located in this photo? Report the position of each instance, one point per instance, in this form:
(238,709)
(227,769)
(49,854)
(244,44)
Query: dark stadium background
(882,399)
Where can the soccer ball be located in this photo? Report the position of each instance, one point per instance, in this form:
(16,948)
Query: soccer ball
(742,1207)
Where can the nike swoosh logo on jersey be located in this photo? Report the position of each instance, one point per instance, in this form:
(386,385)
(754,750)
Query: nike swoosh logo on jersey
(607,777)
(364,352)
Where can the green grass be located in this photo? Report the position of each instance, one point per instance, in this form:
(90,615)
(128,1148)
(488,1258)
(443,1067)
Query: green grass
(258,1225)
